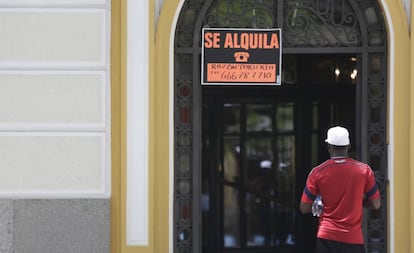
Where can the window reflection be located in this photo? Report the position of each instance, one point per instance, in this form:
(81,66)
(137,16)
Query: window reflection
(270,192)
(231,158)
(231,217)
(259,175)
(284,117)
(231,118)
(259,118)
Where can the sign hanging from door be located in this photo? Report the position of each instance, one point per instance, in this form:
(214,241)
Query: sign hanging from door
(241,56)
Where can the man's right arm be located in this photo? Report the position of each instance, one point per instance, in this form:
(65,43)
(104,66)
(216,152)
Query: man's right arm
(372,198)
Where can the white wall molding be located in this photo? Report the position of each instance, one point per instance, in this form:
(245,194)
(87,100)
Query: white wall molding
(40,41)
(26,177)
(77,38)
(49,65)
(53,3)
(137,206)
(67,92)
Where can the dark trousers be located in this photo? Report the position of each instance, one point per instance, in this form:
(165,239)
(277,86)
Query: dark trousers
(328,246)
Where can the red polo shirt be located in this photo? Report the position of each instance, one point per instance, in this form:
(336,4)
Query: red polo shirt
(343,183)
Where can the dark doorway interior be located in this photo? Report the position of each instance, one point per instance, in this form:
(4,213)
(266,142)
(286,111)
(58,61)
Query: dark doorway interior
(258,145)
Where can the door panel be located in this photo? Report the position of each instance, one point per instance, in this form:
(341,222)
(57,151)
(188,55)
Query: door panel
(257,152)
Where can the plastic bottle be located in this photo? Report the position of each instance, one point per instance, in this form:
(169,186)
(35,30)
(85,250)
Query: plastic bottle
(317,206)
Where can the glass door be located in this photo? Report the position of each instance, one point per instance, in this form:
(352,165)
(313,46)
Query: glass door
(259,145)
(258,177)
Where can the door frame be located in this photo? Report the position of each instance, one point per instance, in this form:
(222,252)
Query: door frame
(162,104)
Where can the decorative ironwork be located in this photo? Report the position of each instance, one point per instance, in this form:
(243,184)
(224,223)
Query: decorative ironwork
(311,26)
(184,152)
(252,14)
(321,23)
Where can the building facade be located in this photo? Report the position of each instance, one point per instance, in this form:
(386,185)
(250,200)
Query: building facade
(110,143)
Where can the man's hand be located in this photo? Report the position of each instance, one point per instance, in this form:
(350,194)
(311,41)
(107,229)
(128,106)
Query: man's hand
(305,207)
(372,203)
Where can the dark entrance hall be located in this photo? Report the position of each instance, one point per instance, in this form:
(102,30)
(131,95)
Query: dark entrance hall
(242,153)
(259,144)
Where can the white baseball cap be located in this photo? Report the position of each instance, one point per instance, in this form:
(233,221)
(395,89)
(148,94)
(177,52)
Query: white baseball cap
(337,136)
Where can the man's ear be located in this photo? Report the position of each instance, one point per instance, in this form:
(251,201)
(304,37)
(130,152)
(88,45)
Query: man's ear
(329,147)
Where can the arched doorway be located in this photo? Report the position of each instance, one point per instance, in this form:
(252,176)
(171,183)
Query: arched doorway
(215,209)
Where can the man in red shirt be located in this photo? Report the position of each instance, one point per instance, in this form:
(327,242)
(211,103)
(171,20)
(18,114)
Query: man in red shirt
(345,186)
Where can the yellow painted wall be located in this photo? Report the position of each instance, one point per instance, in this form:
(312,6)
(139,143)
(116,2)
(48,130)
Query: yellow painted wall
(159,129)
(411,117)
(402,160)
(117,126)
